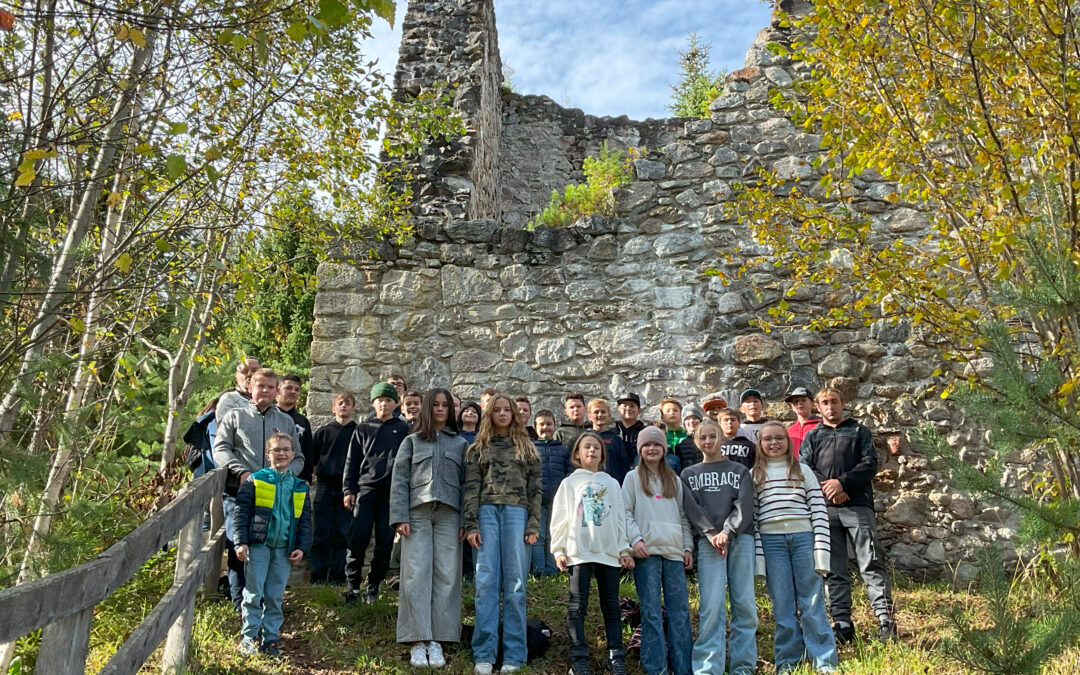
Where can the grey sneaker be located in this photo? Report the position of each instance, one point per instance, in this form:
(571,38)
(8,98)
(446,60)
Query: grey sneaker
(248,647)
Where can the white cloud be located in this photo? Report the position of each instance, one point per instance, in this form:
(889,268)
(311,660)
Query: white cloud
(607,58)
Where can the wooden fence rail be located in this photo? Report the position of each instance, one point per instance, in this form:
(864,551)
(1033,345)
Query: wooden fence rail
(63,603)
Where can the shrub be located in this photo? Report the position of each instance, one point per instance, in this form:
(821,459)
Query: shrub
(595,197)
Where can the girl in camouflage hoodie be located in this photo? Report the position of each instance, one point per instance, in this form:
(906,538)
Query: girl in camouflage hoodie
(502,519)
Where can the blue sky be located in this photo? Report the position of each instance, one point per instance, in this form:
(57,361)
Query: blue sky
(607,58)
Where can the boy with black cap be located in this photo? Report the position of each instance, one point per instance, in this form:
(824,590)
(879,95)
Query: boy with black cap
(368,468)
(803,406)
(629,426)
(751,406)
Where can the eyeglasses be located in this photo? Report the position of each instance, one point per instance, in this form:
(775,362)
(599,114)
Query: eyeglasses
(773,439)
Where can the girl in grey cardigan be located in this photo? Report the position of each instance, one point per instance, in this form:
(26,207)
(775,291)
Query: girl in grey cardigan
(425,509)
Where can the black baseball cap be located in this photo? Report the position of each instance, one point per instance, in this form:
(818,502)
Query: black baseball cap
(796,392)
(747,393)
(629,396)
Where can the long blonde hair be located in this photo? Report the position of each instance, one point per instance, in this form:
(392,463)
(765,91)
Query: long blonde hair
(669,482)
(524,450)
(794,471)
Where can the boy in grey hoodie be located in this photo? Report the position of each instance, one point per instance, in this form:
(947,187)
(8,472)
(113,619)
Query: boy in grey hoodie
(239,446)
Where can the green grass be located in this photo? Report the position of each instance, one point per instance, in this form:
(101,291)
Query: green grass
(322,636)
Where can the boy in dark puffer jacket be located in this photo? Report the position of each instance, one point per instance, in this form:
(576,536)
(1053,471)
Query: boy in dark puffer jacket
(272,529)
(554,467)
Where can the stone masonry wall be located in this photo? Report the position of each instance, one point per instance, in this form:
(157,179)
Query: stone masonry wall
(621,303)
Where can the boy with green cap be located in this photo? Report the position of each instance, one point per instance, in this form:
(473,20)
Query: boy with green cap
(368,468)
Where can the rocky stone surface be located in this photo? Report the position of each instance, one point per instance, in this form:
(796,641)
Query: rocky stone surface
(631,302)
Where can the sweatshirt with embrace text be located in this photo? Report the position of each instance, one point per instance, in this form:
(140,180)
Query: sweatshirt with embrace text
(718,497)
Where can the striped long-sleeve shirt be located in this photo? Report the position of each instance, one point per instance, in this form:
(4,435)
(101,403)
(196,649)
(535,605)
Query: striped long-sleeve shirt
(780,508)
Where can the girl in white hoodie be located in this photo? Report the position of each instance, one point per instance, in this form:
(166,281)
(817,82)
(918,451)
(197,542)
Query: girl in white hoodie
(661,541)
(792,542)
(588,538)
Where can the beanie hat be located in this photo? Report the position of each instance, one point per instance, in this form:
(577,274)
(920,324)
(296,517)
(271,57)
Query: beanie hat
(693,409)
(651,435)
(384,389)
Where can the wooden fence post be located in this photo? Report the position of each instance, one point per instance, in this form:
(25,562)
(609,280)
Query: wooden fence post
(64,644)
(174,659)
(217,519)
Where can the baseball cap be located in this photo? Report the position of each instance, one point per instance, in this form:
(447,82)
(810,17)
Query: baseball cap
(629,396)
(714,403)
(747,393)
(796,392)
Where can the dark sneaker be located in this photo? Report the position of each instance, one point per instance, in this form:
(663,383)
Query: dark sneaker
(371,595)
(887,631)
(581,667)
(270,649)
(350,597)
(616,662)
(844,632)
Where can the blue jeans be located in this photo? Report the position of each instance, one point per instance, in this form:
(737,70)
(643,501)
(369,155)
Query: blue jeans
(267,572)
(543,563)
(236,568)
(732,576)
(502,563)
(650,576)
(795,586)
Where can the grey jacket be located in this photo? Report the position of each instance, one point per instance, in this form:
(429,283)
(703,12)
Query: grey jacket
(427,471)
(240,443)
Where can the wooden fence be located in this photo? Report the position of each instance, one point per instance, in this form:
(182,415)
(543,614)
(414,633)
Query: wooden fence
(63,603)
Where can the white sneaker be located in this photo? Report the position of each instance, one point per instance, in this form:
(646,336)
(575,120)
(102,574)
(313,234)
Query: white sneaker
(418,656)
(509,669)
(482,669)
(434,655)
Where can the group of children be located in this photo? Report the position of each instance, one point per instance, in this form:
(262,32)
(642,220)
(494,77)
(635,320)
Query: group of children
(591,498)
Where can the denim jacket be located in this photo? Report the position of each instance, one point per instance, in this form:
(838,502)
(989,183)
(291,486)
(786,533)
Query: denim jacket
(427,471)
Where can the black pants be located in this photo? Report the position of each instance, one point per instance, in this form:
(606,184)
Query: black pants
(607,583)
(330,534)
(372,511)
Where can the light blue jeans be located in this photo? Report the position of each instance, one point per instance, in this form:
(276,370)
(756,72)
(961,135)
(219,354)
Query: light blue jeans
(650,576)
(502,565)
(543,563)
(794,586)
(719,577)
(267,571)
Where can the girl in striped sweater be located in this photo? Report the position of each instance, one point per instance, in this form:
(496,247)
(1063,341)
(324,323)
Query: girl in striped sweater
(792,542)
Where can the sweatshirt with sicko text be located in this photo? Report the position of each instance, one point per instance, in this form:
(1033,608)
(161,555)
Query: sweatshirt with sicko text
(718,497)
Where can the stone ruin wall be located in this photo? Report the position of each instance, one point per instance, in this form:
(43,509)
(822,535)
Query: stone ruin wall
(611,304)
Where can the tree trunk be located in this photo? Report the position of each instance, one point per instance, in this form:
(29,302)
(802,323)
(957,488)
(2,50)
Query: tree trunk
(46,315)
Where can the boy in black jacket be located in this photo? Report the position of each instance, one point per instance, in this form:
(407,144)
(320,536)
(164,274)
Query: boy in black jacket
(329,448)
(368,468)
(841,453)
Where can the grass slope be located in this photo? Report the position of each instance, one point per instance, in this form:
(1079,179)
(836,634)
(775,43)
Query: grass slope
(322,636)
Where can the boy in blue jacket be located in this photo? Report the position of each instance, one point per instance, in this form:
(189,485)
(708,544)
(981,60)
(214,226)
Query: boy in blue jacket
(554,466)
(271,528)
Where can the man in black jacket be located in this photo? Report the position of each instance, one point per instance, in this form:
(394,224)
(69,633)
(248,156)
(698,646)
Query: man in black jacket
(841,453)
(368,469)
